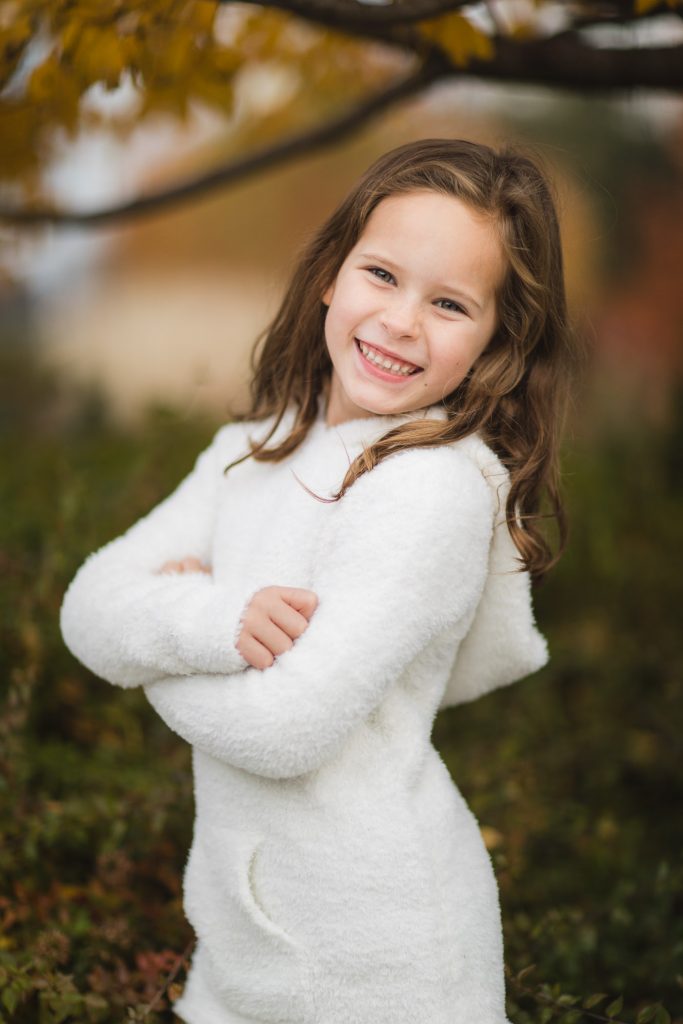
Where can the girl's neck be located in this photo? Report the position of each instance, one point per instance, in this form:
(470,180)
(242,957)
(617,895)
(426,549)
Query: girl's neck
(334,411)
(365,418)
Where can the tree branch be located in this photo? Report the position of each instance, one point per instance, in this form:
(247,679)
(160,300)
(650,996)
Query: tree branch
(565,60)
(357,15)
(623,13)
(245,167)
(352,15)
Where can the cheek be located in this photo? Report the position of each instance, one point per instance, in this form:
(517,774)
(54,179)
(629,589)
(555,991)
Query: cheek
(334,332)
(346,308)
(450,355)
(452,360)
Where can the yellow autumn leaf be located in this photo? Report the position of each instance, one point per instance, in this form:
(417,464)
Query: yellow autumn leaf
(481,44)
(98,12)
(165,100)
(225,62)
(44,81)
(130,51)
(169,55)
(212,91)
(15,35)
(17,131)
(51,86)
(14,38)
(201,15)
(70,35)
(97,57)
(523,30)
(458,37)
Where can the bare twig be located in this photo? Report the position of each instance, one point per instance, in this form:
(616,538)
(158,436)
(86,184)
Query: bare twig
(182,960)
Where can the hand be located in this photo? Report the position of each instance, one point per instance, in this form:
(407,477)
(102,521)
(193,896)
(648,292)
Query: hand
(185,565)
(274,618)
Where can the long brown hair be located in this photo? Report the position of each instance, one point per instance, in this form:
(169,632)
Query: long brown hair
(515,394)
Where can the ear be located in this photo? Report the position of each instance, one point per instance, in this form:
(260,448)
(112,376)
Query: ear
(327,295)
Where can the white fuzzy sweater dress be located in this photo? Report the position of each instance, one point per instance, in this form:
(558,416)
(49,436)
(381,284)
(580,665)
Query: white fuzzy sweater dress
(336,875)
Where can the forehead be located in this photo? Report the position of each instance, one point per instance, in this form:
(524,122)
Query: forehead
(432,231)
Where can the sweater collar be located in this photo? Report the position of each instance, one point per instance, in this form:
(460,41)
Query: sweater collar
(368,429)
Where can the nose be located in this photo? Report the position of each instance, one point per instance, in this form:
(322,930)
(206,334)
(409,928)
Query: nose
(400,318)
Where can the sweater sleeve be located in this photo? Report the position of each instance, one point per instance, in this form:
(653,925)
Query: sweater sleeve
(406,557)
(130,624)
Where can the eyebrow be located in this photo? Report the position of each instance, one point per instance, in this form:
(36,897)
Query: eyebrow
(441,287)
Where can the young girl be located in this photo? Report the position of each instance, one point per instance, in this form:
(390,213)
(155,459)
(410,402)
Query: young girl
(348,558)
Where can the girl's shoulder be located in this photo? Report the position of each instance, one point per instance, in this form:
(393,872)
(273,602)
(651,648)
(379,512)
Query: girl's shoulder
(468,464)
(437,474)
(232,439)
(423,490)
(493,471)
(443,467)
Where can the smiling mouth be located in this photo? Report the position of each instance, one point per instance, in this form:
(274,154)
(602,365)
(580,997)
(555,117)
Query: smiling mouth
(387,363)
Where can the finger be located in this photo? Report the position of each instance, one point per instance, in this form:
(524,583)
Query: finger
(272,637)
(292,622)
(254,652)
(191,564)
(170,567)
(304,601)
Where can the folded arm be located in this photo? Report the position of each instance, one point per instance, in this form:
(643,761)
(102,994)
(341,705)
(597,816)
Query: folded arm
(131,624)
(406,557)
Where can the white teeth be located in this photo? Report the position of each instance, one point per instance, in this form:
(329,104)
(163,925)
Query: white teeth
(384,363)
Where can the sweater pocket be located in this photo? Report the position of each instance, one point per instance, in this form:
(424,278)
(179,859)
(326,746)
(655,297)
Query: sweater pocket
(258,969)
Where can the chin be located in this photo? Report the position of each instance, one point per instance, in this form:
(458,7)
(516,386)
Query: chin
(380,407)
(392,405)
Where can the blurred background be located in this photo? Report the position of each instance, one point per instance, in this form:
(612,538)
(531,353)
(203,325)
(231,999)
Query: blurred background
(123,346)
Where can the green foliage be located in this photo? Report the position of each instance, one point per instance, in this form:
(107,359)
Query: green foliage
(582,790)
(574,774)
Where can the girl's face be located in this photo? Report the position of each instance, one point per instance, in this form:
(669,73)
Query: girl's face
(412,307)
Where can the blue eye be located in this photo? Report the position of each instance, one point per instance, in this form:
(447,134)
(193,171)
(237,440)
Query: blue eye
(457,308)
(378,270)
